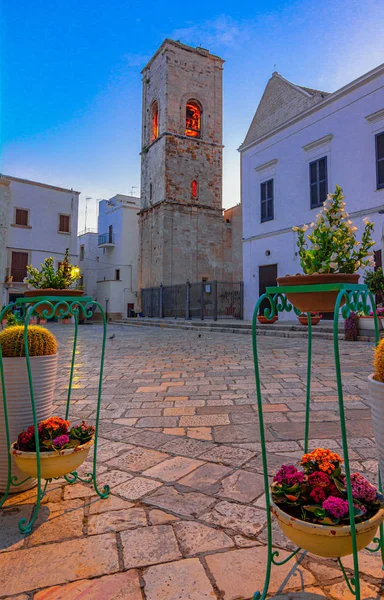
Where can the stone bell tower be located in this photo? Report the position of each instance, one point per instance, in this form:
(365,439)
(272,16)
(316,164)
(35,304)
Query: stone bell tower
(181,223)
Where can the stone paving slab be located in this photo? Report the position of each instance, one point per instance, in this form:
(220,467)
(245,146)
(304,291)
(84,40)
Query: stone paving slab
(180,449)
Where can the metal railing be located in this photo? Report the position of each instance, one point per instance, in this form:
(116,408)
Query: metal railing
(106,238)
(202,300)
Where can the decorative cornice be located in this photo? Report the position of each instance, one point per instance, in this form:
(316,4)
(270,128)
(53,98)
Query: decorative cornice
(267,165)
(376,116)
(317,143)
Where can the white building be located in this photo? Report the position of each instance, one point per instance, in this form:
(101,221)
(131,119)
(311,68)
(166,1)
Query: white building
(39,220)
(109,259)
(301,143)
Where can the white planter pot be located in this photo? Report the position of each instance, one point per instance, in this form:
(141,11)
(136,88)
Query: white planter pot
(376,403)
(368,323)
(44,370)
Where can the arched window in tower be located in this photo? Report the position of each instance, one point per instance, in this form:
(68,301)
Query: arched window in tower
(194,190)
(154,121)
(193,119)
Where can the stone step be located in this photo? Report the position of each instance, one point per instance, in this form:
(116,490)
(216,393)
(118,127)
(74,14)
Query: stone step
(281,330)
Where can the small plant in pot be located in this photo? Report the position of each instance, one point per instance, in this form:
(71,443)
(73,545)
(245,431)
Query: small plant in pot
(42,349)
(48,281)
(264,321)
(312,509)
(329,254)
(62,448)
(315,318)
(376,402)
(366,323)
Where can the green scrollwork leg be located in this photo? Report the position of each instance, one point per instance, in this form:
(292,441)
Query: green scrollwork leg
(262,595)
(24,526)
(76,318)
(356,581)
(106,489)
(308,393)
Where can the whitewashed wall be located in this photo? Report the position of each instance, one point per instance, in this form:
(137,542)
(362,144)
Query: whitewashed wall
(349,144)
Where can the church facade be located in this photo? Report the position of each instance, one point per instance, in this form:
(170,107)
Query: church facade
(183,233)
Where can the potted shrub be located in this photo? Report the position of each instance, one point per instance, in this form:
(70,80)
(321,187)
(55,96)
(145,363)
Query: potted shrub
(315,318)
(264,321)
(42,349)
(329,254)
(366,323)
(376,402)
(62,448)
(311,506)
(48,281)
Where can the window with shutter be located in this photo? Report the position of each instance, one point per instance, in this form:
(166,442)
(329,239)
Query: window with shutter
(19,265)
(380,160)
(266,201)
(64,223)
(318,181)
(21,217)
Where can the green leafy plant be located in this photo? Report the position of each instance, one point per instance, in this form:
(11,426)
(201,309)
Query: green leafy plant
(13,319)
(47,277)
(333,244)
(374,280)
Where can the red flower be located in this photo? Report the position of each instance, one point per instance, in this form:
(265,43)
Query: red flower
(318,495)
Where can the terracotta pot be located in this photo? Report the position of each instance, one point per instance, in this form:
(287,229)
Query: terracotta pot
(327,540)
(51,292)
(314,320)
(316,301)
(264,321)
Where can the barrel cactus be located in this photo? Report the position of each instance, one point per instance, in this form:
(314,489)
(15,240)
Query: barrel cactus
(378,362)
(41,342)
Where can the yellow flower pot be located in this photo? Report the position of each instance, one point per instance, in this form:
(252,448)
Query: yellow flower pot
(52,464)
(332,541)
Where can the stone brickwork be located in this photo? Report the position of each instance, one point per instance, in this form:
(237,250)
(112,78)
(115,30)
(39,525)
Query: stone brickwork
(182,237)
(233,244)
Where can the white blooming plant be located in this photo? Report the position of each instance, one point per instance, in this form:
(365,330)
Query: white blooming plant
(331,246)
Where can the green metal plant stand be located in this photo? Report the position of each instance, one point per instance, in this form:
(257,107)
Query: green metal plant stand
(350,298)
(62,307)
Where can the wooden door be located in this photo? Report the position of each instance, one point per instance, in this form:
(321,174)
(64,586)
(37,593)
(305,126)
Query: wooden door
(267,278)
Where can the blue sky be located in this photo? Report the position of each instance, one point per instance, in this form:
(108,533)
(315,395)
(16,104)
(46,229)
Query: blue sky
(71,84)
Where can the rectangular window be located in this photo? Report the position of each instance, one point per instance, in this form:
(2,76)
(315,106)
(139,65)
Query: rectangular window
(21,217)
(318,181)
(19,265)
(117,275)
(64,223)
(81,252)
(266,201)
(380,160)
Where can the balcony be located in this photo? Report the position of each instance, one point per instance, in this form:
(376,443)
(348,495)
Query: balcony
(106,240)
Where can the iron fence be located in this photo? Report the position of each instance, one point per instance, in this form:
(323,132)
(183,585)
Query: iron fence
(202,300)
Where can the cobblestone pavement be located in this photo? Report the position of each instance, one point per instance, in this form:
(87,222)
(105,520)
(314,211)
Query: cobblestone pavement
(180,449)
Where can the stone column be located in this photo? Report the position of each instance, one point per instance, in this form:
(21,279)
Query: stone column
(5,201)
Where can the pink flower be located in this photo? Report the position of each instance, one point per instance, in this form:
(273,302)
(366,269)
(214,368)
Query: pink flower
(288,475)
(336,507)
(60,441)
(362,489)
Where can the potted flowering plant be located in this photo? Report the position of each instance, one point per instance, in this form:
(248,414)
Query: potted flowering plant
(48,281)
(62,448)
(376,401)
(330,253)
(315,318)
(366,323)
(312,509)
